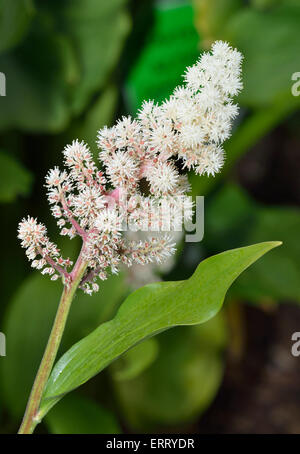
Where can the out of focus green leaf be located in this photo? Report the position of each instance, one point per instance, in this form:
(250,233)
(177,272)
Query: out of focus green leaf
(268,40)
(264,4)
(15,18)
(14,178)
(27,326)
(100,113)
(63,62)
(136,360)
(181,383)
(36,74)
(79,415)
(211,16)
(230,215)
(88,311)
(279,277)
(146,312)
(233,217)
(28,323)
(270,44)
(97,31)
(247,134)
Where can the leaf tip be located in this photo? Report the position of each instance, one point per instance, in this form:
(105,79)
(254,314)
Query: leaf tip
(275,243)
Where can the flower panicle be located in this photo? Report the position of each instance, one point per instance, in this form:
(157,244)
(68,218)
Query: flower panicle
(143,182)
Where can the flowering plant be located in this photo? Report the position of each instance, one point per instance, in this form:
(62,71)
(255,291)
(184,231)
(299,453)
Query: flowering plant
(142,186)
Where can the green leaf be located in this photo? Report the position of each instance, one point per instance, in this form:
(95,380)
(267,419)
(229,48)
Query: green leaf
(233,217)
(230,215)
(100,113)
(79,415)
(36,96)
(136,360)
(278,278)
(14,178)
(64,61)
(97,31)
(265,4)
(267,41)
(27,326)
(211,15)
(15,18)
(148,311)
(182,381)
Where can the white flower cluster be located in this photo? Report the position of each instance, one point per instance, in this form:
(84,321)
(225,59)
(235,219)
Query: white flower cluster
(141,184)
(85,204)
(192,125)
(44,254)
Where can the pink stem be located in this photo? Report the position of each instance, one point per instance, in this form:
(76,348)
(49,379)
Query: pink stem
(78,264)
(69,214)
(54,265)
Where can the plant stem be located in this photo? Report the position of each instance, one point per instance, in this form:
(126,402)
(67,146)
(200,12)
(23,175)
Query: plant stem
(31,419)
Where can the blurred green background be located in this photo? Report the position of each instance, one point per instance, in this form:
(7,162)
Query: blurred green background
(72,66)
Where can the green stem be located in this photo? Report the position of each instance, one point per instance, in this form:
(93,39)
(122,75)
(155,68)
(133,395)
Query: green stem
(31,417)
